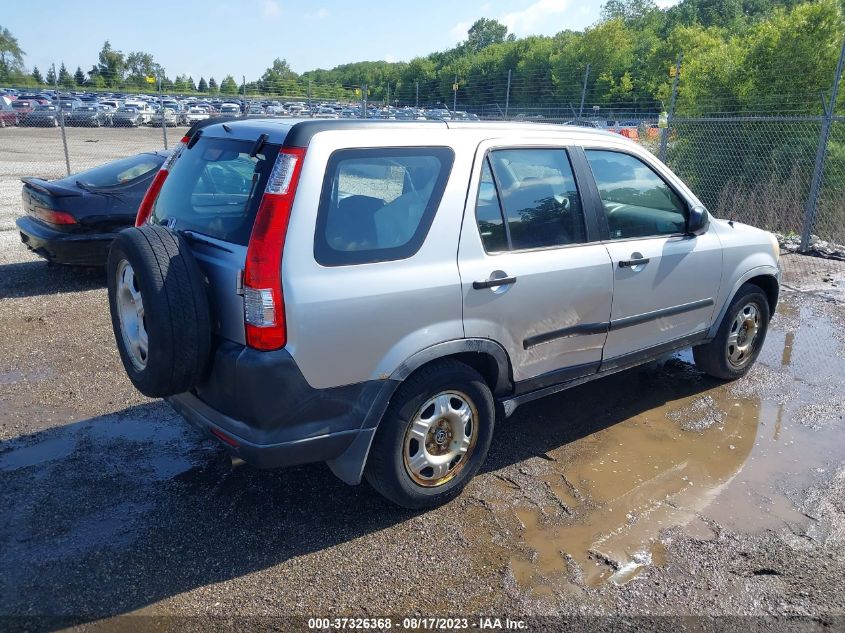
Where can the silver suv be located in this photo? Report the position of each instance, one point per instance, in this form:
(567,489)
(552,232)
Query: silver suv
(376,295)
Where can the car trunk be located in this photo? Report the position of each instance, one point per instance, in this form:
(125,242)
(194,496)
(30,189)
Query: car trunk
(211,197)
(39,197)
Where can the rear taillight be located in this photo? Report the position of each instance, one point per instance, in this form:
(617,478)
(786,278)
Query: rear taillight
(146,206)
(51,216)
(264,306)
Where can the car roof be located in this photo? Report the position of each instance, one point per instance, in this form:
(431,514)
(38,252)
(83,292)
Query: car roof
(299,132)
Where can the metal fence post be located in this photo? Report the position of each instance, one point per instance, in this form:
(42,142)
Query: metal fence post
(584,90)
(364,89)
(418,95)
(61,114)
(161,107)
(821,152)
(664,136)
(508,94)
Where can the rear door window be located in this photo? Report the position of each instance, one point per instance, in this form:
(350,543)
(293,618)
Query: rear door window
(215,188)
(378,204)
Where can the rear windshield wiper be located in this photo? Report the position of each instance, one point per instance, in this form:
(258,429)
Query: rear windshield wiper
(191,236)
(259,143)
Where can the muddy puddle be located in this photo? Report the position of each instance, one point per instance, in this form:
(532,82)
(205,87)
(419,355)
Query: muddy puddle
(717,455)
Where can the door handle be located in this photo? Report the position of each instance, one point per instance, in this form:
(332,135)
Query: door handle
(493,283)
(630,263)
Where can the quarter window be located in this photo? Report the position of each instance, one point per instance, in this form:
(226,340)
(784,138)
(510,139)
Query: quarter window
(534,192)
(378,204)
(637,202)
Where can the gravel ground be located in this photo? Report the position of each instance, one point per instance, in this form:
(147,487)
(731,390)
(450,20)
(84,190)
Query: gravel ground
(655,492)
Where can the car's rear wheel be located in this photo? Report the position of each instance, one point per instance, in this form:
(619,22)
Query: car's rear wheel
(740,336)
(434,436)
(159,310)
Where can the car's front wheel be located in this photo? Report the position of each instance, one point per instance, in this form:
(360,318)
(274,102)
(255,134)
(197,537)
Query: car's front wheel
(740,336)
(434,436)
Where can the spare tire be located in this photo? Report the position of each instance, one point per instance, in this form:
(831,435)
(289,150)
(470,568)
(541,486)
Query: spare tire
(159,310)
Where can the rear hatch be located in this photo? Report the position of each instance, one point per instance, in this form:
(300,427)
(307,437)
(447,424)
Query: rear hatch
(211,197)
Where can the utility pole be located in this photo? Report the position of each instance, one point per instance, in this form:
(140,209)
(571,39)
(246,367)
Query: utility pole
(310,111)
(364,101)
(388,94)
(418,95)
(508,94)
(584,90)
(455,95)
(243,83)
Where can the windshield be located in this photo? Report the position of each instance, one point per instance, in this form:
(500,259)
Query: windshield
(215,188)
(121,171)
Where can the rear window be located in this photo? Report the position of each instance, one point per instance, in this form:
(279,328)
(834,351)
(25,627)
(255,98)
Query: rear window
(215,188)
(378,204)
(121,171)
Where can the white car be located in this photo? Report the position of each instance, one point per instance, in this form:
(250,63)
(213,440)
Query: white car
(196,114)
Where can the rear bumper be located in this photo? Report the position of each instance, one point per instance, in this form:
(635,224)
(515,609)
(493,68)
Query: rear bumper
(85,249)
(270,454)
(261,409)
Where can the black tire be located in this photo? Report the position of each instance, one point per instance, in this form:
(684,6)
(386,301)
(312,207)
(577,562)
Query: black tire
(386,471)
(713,358)
(176,313)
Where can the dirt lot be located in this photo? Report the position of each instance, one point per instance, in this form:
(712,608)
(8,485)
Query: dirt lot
(654,492)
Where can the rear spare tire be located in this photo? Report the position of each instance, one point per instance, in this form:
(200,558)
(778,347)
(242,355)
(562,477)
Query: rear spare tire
(159,310)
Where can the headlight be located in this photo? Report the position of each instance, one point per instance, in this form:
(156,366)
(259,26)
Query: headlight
(775,246)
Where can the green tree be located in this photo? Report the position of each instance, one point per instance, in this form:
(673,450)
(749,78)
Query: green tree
(51,76)
(202,86)
(484,33)
(278,79)
(111,66)
(79,77)
(36,76)
(139,65)
(228,86)
(11,55)
(65,78)
(212,85)
(627,10)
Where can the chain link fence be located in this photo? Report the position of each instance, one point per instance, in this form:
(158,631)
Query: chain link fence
(777,166)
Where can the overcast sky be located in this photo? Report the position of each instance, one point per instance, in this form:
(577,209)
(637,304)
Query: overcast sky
(242,37)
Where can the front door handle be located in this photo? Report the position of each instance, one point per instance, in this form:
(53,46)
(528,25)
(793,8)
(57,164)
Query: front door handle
(636,260)
(493,283)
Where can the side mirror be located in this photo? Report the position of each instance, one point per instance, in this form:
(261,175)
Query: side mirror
(699,220)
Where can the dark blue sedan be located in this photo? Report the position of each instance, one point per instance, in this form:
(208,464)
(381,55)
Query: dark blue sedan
(73,220)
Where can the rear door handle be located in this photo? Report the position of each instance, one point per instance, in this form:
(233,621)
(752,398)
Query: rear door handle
(630,263)
(493,283)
